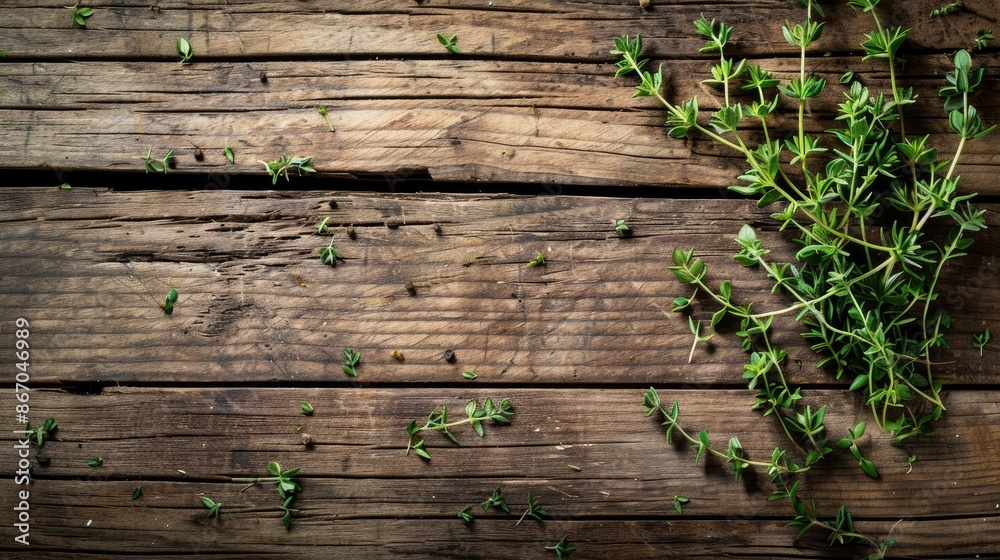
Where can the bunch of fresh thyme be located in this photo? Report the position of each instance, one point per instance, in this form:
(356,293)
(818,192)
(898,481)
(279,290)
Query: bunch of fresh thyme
(863,289)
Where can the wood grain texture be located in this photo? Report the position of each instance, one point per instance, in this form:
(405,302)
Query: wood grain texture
(357,478)
(181,403)
(551,29)
(506,116)
(88,269)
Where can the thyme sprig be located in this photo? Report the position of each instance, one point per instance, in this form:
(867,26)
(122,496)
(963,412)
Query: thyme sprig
(862,286)
(780,468)
(476,414)
(859,287)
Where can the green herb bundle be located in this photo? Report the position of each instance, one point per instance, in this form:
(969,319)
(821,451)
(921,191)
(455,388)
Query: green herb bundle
(862,286)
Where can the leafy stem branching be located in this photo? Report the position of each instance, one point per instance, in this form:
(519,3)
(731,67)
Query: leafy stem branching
(863,283)
(780,469)
(476,414)
(287,488)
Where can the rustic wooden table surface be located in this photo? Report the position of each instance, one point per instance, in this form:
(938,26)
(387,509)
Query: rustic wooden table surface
(524,143)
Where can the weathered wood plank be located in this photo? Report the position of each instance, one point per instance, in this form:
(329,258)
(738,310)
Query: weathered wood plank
(88,269)
(356,475)
(511,28)
(486,117)
(260,535)
(463,120)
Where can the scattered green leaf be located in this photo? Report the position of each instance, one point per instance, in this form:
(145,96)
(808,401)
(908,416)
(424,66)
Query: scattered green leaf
(469,374)
(160,165)
(562,549)
(307,408)
(534,510)
(679,502)
(213,507)
(466,516)
(983,36)
(539,260)
(281,166)
(449,43)
(322,228)
(351,359)
(980,340)
(496,500)
(184,50)
(168,303)
(622,228)
(95,461)
(39,434)
(229,154)
(80,14)
(328,255)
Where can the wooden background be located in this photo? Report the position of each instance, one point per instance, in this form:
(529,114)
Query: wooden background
(526,143)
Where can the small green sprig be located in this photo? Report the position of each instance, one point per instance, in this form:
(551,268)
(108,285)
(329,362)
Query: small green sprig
(322,111)
(307,408)
(449,43)
(476,414)
(680,501)
(539,260)
(212,505)
(534,510)
(80,14)
(95,461)
(946,9)
(980,340)
(228,152)
(281,166)
(983,36)
(351,360)
(850,442)
(39,434)
(158,166)
(470,375)
(466,516)
(496,500)
(184,50)
(781,470)
(328,255)
(562,549)
(322,228)
(724,72)
(621,228)
(287,488)
(168,302)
